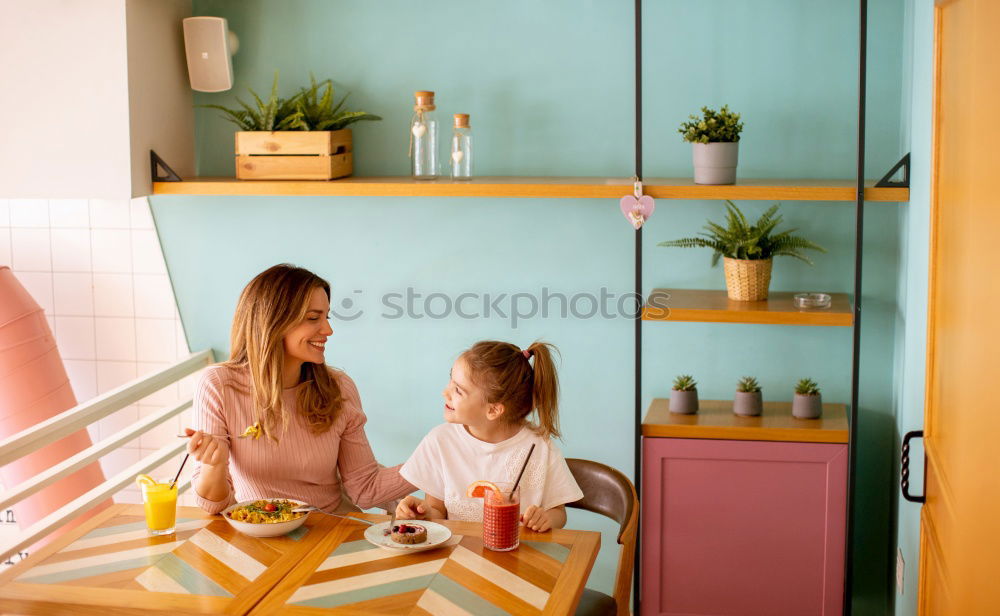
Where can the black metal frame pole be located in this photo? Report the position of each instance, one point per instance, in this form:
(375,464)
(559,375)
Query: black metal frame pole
(852,445)
(637,428)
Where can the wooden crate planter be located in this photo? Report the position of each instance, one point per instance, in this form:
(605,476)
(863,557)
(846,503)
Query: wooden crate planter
(294,155)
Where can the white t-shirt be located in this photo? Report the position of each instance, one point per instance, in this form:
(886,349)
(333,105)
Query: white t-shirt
(449,459)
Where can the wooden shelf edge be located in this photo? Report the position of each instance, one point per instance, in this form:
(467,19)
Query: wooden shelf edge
(528,187)
(713,306)
(716,421)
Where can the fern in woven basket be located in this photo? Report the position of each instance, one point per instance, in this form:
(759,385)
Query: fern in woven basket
(739,239)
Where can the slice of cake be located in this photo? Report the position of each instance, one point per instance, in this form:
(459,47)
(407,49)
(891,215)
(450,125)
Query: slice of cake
(409,533)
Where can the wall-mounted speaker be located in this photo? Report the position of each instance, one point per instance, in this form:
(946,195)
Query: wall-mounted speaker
(209,46)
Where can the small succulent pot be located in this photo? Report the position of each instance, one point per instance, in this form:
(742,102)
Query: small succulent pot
(806,406)
(684,402)
(715,163)
(748,403)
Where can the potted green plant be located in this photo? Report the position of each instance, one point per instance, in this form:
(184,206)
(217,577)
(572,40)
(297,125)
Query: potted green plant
(807,402)
(303,137)
(684,395)
(748,249)
(715,141)
(748,401)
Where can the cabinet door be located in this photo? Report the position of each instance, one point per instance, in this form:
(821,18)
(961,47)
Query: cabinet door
(742,527)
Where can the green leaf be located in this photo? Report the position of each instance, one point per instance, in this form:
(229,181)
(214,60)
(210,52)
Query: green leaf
(738,239)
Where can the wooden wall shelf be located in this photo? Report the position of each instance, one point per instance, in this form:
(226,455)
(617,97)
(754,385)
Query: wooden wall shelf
(545,187)
(715,420)
(716,307)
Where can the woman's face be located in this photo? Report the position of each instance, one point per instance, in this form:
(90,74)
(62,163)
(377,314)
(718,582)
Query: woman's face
(306,341)
(464,402)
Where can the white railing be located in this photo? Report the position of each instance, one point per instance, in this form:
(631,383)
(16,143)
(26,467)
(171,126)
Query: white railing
(78,418)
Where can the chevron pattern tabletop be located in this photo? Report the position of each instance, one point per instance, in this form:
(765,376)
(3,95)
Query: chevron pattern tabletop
(112,564)
(347,574)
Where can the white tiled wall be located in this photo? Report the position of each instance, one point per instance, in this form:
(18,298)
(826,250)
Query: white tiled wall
(97,269)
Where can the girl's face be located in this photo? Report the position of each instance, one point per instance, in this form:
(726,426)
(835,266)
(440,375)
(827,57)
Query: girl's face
(306,341)
(464,402)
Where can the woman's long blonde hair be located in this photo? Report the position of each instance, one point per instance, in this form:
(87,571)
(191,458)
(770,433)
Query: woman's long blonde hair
(272,303)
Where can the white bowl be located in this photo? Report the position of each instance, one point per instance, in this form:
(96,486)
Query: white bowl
(275,529)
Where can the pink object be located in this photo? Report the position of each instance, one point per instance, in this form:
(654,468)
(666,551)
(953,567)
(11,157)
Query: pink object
(33,388)
(501,517)
(301,465)
(637,210)
(742,527)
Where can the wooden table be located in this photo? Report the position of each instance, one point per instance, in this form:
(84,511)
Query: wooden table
(545,575)
(111,566)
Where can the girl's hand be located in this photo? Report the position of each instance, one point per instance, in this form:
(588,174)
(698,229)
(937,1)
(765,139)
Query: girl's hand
(207,449)
(411,508)
(537,519)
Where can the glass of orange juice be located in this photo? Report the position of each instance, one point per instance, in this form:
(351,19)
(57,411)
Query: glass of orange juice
(159,499)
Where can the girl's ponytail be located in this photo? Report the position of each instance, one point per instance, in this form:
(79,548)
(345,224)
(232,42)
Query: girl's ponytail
(506,375)
(545,389)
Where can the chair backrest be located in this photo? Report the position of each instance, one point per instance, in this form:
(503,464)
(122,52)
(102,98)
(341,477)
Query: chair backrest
(605,491)
(609,492)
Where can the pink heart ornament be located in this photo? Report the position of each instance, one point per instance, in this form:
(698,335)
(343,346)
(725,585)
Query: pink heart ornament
(637,211)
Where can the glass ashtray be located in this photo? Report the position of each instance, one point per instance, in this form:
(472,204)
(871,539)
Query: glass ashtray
(812,300)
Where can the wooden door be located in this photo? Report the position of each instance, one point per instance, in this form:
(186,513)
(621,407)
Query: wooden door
(960,522)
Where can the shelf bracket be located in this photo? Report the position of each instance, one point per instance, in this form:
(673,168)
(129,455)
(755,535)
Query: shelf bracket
(155,164)
(888,182)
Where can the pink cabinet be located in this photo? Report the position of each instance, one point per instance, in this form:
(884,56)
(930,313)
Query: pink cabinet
(742,527)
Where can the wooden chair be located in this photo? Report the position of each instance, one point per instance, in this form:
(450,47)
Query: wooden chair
(610,493)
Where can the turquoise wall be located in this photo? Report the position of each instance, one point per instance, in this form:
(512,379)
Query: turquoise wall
(911,328)
(549,87)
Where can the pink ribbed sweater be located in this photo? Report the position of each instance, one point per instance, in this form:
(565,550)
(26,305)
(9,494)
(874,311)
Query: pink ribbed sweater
(301,465)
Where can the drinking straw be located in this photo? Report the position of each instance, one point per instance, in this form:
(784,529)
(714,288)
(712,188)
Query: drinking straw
(523,466)
(177,476)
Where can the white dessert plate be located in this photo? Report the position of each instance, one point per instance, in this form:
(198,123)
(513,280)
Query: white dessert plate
(436,535)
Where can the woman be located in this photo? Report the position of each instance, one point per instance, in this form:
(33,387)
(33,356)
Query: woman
(309,414)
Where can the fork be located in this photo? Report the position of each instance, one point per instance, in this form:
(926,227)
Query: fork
(309,508)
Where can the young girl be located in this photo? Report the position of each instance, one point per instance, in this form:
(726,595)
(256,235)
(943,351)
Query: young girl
(493,390)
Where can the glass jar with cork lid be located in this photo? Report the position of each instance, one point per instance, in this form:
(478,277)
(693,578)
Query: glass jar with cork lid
(423,137)
(461,148)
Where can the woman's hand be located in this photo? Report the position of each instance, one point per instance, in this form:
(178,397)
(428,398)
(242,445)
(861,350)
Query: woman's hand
(207,449)
(541,520)
(411,508)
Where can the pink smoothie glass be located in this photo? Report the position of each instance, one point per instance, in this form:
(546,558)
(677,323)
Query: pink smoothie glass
(501,518)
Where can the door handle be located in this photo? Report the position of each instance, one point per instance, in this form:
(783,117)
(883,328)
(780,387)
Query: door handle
(904,468)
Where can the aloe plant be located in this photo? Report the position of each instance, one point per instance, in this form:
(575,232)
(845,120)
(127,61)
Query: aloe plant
(739,239)
(712,126)
(807,387)
(685,382)
(275,114)
(748,384)
(307,109)
(320,113)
